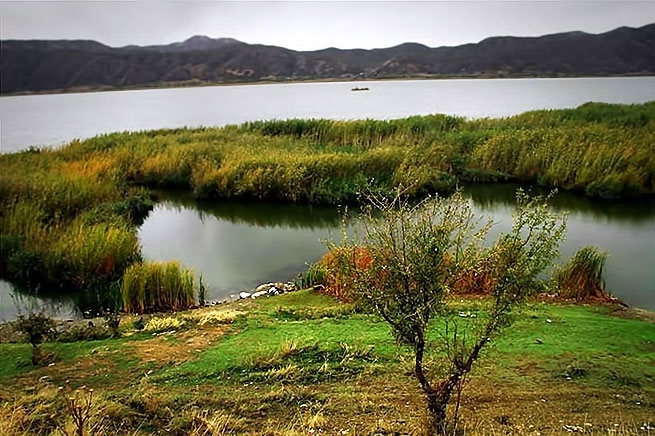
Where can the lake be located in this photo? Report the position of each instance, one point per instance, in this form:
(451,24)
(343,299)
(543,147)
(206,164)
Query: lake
(51,120)
(236,246)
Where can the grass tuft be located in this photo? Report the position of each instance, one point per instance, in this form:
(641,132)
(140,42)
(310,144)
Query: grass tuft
(581,278)
(157,287)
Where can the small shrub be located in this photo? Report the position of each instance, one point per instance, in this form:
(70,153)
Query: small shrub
(80,408)
(201,292)
(37,328)
(88,332)
(415,254)
(138,324)
(226,316)
(113,321)
(314,275)
(158,325)
(340,259)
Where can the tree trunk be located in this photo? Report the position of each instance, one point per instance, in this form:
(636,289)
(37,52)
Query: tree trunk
(437,408)
(36,355)
(437,399)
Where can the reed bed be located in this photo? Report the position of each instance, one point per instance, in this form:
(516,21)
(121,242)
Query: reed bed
(157,287)
(340,259)
(49,196)
(581,278)
(87,256)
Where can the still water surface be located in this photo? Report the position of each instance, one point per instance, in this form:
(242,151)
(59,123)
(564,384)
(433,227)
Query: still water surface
(52,120)
(238,246)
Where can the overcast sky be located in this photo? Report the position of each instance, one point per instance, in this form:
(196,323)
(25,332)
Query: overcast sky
(308,25)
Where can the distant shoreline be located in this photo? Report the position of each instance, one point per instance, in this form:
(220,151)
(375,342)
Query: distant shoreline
(201,84)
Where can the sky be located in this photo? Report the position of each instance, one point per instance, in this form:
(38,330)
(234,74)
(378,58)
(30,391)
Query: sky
(312,25)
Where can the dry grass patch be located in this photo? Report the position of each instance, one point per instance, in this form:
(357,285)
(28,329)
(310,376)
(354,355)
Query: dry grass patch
(178,347)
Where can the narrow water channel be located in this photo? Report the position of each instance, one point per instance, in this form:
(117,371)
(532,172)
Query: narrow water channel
(236,246)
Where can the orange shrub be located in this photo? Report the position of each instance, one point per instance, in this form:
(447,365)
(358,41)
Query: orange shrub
(337,283)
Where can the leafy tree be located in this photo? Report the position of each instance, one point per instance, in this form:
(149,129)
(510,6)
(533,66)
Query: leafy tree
(417,254)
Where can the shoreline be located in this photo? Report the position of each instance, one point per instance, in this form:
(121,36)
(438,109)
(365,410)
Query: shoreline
(615,308)
(202,84)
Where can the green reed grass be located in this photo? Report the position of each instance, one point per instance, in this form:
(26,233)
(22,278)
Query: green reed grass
(86,255)
(157,287)
(46,195)
(581,277)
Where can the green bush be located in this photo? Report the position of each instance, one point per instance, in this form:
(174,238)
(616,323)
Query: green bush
(37,328)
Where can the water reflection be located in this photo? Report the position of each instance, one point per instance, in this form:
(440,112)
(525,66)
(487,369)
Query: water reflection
(14,302)
(489,197)
(236,245)
(263,214)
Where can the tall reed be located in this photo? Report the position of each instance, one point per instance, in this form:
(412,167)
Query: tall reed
(92,255)
(47,195)
(581,277)
(157,287)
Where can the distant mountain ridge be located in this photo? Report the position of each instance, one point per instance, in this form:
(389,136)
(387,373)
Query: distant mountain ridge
(49,65)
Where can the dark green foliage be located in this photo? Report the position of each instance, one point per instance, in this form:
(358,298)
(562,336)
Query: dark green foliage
(133,209)
(9,245)
(202,290)
(37,328)
(315,274)
(139,324)
(113,321)
(25,268)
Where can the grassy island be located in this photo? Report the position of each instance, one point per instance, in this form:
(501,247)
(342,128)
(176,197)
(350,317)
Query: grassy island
(69,216)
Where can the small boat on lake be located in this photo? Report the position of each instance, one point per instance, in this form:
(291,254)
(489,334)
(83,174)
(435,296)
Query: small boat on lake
(359,89)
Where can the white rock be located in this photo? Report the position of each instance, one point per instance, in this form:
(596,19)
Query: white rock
(264,287)
(244,295)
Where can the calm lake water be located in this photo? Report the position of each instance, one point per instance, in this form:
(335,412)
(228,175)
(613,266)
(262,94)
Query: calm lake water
(51,120)
(236,246)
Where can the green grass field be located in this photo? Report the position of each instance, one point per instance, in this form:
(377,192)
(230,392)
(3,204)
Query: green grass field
(302,363)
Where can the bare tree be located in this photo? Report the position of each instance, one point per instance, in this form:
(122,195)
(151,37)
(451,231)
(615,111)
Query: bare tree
(417,254)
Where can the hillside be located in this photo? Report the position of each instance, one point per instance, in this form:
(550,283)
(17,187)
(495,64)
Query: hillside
(38,66)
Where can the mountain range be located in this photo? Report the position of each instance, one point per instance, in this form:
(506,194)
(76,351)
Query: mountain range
(60,65)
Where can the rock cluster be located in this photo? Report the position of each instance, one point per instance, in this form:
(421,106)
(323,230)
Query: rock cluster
(268,290)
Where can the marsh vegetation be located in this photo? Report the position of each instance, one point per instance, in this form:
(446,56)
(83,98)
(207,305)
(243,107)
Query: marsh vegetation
(69,216)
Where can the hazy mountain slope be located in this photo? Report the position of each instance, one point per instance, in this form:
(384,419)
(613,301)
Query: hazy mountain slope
(57,65)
